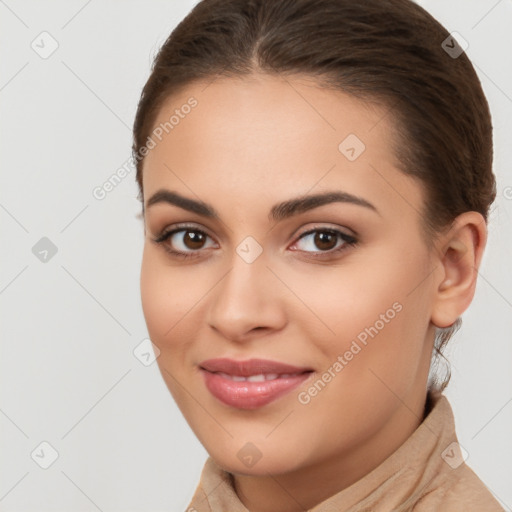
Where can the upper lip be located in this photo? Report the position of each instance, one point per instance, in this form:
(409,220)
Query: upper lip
(250,367)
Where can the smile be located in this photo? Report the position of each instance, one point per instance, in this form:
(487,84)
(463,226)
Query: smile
(250,384)
(257,378)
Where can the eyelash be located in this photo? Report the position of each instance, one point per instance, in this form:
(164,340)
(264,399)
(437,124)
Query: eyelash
(349,241)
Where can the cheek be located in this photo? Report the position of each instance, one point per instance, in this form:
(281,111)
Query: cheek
(373,313)
(348,299)
(156,297)
(166,300)
(166,293)
(165,304)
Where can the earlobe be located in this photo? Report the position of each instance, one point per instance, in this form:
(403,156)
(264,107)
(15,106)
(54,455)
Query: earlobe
(460,256)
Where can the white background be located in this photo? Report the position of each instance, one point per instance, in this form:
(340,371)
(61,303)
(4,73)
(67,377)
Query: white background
(69,326)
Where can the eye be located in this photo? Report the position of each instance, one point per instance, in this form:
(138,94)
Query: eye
(189,241)
(184,241)
(324,240)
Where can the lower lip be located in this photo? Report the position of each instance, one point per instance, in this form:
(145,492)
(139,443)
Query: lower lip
(250,395)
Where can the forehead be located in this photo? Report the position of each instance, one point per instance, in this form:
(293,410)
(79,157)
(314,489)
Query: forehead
(242,113)
(262,134)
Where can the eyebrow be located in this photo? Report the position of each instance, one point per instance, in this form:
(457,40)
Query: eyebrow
(277,213)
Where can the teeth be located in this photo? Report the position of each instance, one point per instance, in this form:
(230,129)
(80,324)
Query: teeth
(257,378)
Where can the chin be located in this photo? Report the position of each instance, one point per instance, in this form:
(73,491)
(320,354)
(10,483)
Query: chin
(255,459)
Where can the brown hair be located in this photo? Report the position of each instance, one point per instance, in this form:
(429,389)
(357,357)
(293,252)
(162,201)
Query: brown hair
(391,52)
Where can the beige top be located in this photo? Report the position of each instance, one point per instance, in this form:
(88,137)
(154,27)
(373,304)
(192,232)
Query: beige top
(426,473)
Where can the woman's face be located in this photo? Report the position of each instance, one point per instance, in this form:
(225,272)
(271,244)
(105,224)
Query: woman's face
(338,287)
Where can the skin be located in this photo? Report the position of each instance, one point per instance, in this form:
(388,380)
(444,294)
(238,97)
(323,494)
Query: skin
(251,143)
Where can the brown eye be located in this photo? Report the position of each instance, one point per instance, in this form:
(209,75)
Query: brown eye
(318,241)
(194,239)
(185,241)
(325,240)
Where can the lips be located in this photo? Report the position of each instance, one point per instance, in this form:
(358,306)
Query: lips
(252,383)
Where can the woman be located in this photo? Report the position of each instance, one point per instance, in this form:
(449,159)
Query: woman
(315,178)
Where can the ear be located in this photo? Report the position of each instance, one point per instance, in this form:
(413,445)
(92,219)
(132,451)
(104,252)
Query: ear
(460,253)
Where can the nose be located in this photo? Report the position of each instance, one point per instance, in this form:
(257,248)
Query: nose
(248,301)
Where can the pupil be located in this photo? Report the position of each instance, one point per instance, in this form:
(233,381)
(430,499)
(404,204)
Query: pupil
(194,240)
(324,240)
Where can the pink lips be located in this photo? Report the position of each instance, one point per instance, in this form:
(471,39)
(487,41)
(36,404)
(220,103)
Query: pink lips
(252,383)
